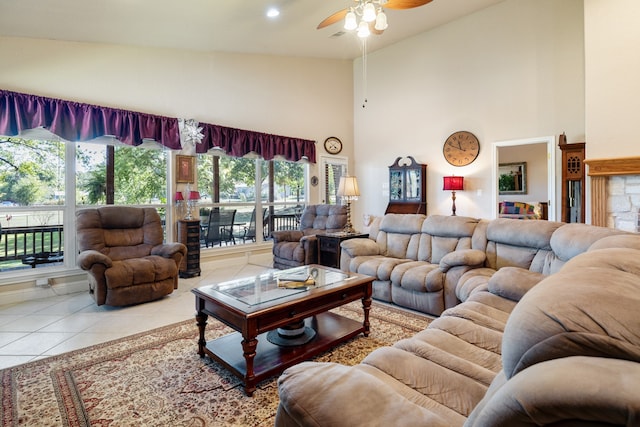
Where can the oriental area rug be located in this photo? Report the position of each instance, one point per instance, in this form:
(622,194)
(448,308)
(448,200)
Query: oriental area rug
(156,378)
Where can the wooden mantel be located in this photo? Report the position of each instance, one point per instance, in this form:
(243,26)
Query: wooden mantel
(619,166)
(600,170)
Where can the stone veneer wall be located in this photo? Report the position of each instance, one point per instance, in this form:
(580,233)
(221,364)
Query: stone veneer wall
(623,202)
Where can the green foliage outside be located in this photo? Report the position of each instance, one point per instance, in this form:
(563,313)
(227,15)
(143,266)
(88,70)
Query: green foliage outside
(31,172)
(139,176)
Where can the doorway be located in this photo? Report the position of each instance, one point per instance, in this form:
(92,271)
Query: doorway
(539,156)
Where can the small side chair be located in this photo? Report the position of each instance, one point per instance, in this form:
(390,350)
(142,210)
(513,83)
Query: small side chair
(292,248)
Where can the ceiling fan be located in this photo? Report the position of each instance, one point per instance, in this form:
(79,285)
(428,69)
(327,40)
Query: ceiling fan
(373,18)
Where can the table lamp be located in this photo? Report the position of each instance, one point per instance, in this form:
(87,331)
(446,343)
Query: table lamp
(348,191)
(453,184)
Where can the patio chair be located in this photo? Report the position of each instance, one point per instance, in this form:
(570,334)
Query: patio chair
(249,231)
(122,250)
(220,228)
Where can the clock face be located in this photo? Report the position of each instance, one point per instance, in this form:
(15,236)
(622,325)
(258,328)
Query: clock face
(333,145)
(461,148)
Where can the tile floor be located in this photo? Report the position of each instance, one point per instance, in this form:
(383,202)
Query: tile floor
(46,327)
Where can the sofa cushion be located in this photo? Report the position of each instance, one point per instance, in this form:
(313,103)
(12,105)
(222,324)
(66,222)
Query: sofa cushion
(441,235)
(515,243)
(413,275)
(399,235)
(323,217)
(573,239)
(569,313)
(292,251)
(137,271)
(379,267)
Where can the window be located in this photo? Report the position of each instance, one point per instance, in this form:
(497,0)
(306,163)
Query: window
(332,169)
(32,200)
(138,175)
(246,186)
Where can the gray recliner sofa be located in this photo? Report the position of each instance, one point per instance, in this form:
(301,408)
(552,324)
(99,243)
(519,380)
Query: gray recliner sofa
(430,264)
(523,348)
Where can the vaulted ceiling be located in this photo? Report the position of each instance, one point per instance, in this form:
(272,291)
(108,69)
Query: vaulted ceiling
(219,25)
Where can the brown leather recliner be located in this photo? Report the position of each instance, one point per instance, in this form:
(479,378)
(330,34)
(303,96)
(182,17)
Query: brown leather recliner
(122,249)
(292,248)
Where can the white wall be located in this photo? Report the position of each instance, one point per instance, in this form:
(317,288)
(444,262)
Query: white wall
(306,98)
(511,71)
(612,67)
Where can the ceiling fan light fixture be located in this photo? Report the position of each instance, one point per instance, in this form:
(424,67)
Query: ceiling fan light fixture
(369,12)
(381,21)
(363,30)
(350,21)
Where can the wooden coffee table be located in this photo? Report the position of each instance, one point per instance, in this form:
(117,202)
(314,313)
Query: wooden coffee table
(262,312)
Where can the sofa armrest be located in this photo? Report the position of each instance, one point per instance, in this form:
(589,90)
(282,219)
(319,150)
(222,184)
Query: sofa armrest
(168,250)
(286,236)
(565,391)
(513,282)
(344,401)
(464,257)
(310,246)
(360,247)
(86,259)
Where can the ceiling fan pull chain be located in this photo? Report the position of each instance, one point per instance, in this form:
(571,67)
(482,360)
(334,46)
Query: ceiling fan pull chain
(364,72)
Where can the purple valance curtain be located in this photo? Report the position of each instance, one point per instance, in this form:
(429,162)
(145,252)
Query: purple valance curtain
(75,121)
(238,142)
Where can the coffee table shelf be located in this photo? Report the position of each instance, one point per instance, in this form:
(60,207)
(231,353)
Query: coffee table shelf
(272,359)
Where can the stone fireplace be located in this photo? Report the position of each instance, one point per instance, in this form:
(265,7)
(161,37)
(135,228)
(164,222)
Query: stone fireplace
(615,192)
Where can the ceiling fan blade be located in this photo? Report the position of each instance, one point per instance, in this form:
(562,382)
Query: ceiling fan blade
(405,4)
(333,18)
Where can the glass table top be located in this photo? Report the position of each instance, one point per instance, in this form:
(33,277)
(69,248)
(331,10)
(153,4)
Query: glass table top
(278,284)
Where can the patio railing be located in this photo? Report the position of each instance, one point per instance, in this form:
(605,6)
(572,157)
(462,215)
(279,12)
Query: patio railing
(16,243)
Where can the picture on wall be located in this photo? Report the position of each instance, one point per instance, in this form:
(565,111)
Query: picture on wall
(512,178)
(185,169)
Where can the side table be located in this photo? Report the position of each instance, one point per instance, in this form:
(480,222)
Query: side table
(329,247)
(189,235)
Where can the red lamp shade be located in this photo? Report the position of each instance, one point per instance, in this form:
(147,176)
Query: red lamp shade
(453,183)
(179,197)
(194,195)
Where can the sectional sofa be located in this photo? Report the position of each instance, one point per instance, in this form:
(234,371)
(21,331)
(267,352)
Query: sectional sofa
(420,262)
(541,329)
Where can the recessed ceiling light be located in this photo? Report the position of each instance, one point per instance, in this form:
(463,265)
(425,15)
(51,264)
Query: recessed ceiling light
(273,12)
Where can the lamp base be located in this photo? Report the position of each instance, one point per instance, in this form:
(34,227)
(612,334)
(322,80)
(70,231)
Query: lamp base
(348,227)
(453,206)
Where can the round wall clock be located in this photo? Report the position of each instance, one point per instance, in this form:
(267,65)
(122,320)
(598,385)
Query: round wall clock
(333,145)
(461,148)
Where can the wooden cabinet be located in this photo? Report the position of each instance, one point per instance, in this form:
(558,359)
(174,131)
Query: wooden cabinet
(189,235)
(407,186)
(329,247)
(573,181)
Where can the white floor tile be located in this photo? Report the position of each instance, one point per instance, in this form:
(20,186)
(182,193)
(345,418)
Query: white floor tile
(42,328)
(30,323)
(8,337)
(9,361)
(35,344)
